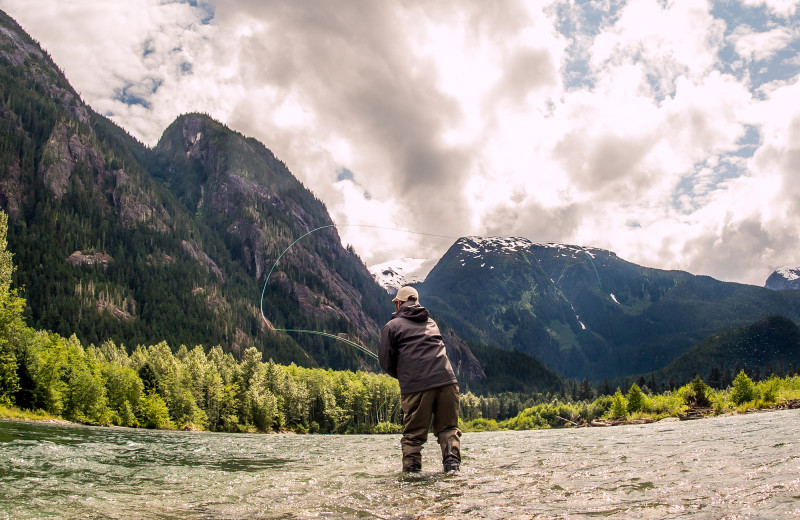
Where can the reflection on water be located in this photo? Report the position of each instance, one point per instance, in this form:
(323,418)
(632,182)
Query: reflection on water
(728,467)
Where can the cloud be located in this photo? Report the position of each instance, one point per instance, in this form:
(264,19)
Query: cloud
(582,122)
(683,43)
(784,8)
(757,46)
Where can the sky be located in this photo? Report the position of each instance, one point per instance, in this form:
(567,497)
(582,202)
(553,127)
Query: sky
(667,131)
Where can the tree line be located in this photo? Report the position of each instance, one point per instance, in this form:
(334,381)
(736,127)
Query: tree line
(196,388)
(153,387)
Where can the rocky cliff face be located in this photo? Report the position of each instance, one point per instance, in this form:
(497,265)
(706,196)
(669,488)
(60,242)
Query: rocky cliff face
(113,239)
(243,191)
(465,364)
(20,50)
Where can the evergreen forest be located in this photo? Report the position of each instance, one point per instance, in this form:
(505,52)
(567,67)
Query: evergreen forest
(49,375)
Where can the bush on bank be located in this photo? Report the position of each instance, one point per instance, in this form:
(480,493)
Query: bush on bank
(742,396)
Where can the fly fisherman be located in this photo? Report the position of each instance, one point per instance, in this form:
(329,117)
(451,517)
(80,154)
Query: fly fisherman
(412,350)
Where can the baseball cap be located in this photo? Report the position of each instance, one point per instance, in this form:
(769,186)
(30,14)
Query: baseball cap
(403,294)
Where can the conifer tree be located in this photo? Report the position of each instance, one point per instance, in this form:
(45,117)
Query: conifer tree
(743,390)
(635,399)
(11,324)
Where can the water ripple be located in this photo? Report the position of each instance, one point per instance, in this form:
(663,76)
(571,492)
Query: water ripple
(728,467)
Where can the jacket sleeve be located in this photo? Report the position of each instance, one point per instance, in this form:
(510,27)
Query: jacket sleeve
(387,355)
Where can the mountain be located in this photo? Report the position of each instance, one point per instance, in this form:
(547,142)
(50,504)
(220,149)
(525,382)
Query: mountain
(94,236)
(770,343)
(404,271)
(785,278)
(508,370)
(246,196)
(115,240)
(583,311)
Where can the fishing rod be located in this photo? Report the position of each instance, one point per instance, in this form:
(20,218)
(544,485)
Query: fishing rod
(338,337)
(341,337)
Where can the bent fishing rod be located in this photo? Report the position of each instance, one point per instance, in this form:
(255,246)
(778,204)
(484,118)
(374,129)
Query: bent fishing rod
(342,336)
(339,337)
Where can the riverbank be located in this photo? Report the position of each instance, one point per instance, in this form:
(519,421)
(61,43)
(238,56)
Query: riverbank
(693,413)
(12,413)
(638,406)
(480,425)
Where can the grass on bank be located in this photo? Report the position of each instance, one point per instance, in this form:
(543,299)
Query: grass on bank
(16,414)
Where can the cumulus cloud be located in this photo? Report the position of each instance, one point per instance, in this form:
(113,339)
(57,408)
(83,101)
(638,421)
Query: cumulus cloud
(756,45)
(624,125)
(783,8)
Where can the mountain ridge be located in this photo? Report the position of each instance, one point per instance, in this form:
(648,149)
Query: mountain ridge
(585,312)
(771,343)
(117,241)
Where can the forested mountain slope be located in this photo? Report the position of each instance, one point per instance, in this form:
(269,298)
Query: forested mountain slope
(770,345)
(114,240)
(584,311)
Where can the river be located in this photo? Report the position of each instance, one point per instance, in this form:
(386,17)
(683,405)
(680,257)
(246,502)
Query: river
(745,466)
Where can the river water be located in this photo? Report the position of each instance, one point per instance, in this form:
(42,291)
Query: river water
(745,466)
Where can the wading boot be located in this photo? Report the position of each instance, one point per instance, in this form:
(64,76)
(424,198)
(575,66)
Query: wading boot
(413,467)
(451,466)
(412,459)
(451,449)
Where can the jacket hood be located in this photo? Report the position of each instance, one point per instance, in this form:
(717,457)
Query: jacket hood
(412,310)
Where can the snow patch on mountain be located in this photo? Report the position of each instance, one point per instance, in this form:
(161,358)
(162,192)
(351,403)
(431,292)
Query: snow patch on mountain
(505,245)
(394,274)
(475,247)
(783,279)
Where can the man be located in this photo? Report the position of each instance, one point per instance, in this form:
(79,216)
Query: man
(412,350)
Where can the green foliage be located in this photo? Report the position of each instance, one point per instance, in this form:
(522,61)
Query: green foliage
(11,324)
(480,425)
(619,406)
(696,393)
(498,406)
(636,399)
(193,389)
(388,427)
(124,391)
(155,413)
(154,388)
(770,389)
(743,389)
(653,407)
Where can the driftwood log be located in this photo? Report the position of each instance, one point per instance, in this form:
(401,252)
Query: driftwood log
(695,412)
(788,404)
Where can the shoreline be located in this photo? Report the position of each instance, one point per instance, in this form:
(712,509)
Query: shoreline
(691,414)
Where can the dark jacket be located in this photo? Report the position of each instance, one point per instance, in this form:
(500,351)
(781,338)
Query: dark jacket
(412,350)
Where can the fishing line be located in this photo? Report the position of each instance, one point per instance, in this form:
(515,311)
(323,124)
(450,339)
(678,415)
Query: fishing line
(361,348)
